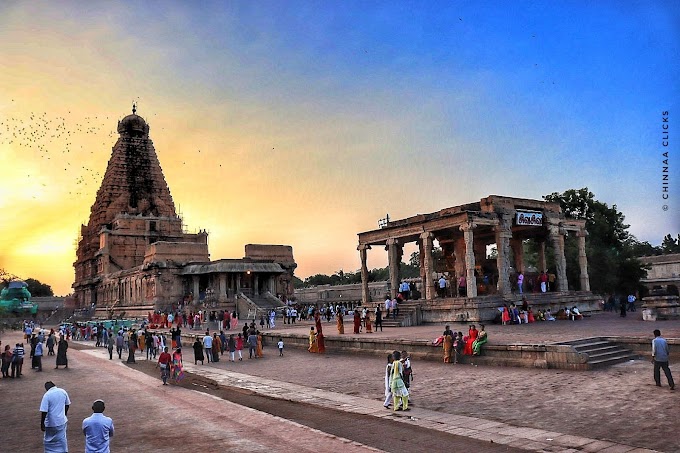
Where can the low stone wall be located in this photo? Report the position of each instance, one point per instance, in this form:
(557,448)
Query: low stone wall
(517,355)
(643,346)
(485,308)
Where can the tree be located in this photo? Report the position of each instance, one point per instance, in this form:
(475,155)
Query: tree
(612,262)
(670,245)
(38,289)
(297,282)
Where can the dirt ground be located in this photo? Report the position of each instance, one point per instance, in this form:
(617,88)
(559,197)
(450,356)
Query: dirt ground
(619,404)
(199,413)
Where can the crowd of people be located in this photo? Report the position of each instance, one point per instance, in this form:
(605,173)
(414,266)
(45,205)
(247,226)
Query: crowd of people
(524,314)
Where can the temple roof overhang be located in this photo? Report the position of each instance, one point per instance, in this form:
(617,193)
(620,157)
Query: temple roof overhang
(233,267)
(484,215)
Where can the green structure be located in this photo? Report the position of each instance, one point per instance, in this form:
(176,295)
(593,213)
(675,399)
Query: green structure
(15,298)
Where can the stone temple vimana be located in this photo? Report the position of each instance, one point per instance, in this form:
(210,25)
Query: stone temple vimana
(134,256)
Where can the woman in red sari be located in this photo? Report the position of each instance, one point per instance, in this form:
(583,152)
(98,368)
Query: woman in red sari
(471,337)
(357,321)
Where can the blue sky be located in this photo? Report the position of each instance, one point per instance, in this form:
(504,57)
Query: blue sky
(314,119)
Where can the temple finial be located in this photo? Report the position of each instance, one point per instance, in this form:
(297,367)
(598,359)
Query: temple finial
(134,108)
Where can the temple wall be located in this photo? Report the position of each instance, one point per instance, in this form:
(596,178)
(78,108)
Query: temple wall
(182,252)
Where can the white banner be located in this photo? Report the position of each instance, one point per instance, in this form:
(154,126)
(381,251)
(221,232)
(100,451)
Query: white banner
(529,218)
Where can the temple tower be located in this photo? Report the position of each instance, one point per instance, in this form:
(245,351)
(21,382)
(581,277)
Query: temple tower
(133,200)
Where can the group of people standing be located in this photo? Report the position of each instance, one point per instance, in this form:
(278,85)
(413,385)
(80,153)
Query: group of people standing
(38,340)
(457,345)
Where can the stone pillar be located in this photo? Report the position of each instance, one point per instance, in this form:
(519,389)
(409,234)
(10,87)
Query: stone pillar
(471,280)
(459,253)
(583,260)
(197,289)
(256,284)
(394,251)
(238,283)
(518,254)
(426,251)
(222,292)
(541,256)
(557,239)
(503,235)
(365,295)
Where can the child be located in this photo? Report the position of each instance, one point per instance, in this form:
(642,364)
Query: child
(239,346)
(280,344)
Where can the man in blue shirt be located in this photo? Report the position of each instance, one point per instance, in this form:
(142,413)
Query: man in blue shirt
(660,359)
(98,429)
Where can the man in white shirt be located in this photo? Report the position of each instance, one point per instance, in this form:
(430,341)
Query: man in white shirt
(98,429)
(388,305)
(53,408)
(207,344)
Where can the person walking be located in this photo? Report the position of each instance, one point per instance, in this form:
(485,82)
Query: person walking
(37,356)
(388,375)
(231,345)
(17,360)
(239,347)
(98,430)
(378,318)
(660,358)
(109,344)
(198,352)
(53,409)
(120,341)
(164,361)
(62,347)
(207,344)
(252,344)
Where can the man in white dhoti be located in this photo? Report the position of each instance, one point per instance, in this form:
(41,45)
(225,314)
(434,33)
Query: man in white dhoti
(54,407)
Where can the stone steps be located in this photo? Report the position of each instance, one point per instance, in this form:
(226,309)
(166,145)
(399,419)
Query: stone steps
(601,353)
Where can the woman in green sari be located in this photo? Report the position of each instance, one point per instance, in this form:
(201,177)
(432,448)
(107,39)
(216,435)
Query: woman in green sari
(399,390)
(481,339)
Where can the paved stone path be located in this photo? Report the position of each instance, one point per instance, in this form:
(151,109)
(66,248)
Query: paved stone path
(610,410)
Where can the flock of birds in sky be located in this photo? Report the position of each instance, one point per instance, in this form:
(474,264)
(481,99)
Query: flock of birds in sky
(56,141)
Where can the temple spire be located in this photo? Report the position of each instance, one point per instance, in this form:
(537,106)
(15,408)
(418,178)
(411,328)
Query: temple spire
(134,108)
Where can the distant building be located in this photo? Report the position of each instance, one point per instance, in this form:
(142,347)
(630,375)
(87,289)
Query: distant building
(664,272)
(134,255)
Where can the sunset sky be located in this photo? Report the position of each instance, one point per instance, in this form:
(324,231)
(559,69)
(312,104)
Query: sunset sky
(303,123)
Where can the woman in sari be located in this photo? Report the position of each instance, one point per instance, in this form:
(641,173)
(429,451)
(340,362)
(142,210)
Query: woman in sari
(357,321)
(481,340)
(340,322)
(313,347)
(448,344)
(234,320)
(258,351)
(399,390)
(177,367)
(367,320)
(471,337)
(216,348)
(321,345)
